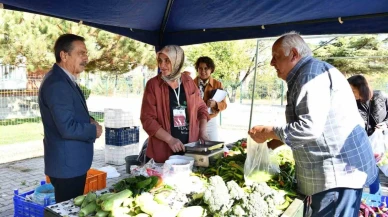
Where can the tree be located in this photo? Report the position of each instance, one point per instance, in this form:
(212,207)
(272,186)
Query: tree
(33,36)
(234,61)
(356,55)
(22,35)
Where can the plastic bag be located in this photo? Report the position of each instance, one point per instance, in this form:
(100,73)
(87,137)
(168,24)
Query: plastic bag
(260,165)
(43,191)
(379,143)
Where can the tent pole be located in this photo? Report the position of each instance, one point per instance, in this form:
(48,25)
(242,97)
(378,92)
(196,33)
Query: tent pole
(254,84)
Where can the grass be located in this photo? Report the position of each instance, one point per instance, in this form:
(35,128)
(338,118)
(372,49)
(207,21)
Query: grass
(20,133)
(28,129)
(18,121)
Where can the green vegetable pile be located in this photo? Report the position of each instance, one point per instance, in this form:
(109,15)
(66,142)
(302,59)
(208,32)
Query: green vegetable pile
(285,180)
(229,168)
(125,204)
(137,184)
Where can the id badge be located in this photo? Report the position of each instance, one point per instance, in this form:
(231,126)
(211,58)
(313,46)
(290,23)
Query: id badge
(179,117)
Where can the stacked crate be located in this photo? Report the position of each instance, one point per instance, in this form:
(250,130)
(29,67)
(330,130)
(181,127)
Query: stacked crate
(121,136)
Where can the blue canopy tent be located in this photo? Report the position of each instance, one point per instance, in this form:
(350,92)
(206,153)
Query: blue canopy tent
(185,22)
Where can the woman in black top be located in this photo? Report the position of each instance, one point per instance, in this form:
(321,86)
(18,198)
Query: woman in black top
(373,107)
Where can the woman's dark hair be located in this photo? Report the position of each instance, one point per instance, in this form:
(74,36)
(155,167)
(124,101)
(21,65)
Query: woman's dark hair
(65,43)
(359,82)
(208,61)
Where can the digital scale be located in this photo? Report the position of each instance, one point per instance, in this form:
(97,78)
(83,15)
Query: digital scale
(204,153)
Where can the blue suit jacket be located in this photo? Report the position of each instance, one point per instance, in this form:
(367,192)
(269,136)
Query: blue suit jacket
(68,133)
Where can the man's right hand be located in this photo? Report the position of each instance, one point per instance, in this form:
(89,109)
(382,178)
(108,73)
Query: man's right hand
(98,129)
(176,145)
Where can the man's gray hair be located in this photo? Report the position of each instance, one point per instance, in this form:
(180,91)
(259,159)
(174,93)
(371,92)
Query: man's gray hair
(294,40)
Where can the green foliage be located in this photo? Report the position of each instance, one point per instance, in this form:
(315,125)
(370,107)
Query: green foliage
(268,86)
(354,48)
(230,57)
(112,85)
(86,91)
(33,36)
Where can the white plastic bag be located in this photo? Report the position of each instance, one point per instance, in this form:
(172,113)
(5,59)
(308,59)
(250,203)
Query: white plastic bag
(260,165)
(379,143)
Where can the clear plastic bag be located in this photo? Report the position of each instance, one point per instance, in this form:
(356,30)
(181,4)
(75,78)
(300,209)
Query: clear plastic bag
(379,143)
(260,164)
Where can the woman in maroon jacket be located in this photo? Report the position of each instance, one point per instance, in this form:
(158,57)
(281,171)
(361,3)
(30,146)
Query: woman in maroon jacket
(172,111)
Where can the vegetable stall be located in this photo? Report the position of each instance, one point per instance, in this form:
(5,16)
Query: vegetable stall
(219,189)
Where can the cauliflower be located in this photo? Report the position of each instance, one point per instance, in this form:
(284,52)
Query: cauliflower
(233,201)
(235,191)
(217,196)
(262,201)
(256,205)
(238,211)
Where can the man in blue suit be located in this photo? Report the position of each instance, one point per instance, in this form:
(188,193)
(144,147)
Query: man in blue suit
(69,131)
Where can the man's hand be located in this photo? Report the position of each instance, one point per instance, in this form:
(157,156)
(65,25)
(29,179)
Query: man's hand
(176,145)
(261,134)
(211,103)
(98,129)
(377,157)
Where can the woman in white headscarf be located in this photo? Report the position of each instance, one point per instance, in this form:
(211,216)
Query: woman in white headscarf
(172,111)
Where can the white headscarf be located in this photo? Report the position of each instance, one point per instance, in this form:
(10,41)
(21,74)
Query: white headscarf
(176,56)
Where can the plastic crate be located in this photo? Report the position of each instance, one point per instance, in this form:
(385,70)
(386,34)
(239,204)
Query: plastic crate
(116,154)
(117,118)
(95,180)
(122,136)
(374,200)
(26,208)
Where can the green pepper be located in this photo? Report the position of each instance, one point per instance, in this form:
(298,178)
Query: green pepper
(233,164)
(131,180)
(144,183)
(154,181)
(239,176)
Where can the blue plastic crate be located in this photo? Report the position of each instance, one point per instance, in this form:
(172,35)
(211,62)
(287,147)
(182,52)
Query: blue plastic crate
(27,208)
(374,200)
(121,136)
